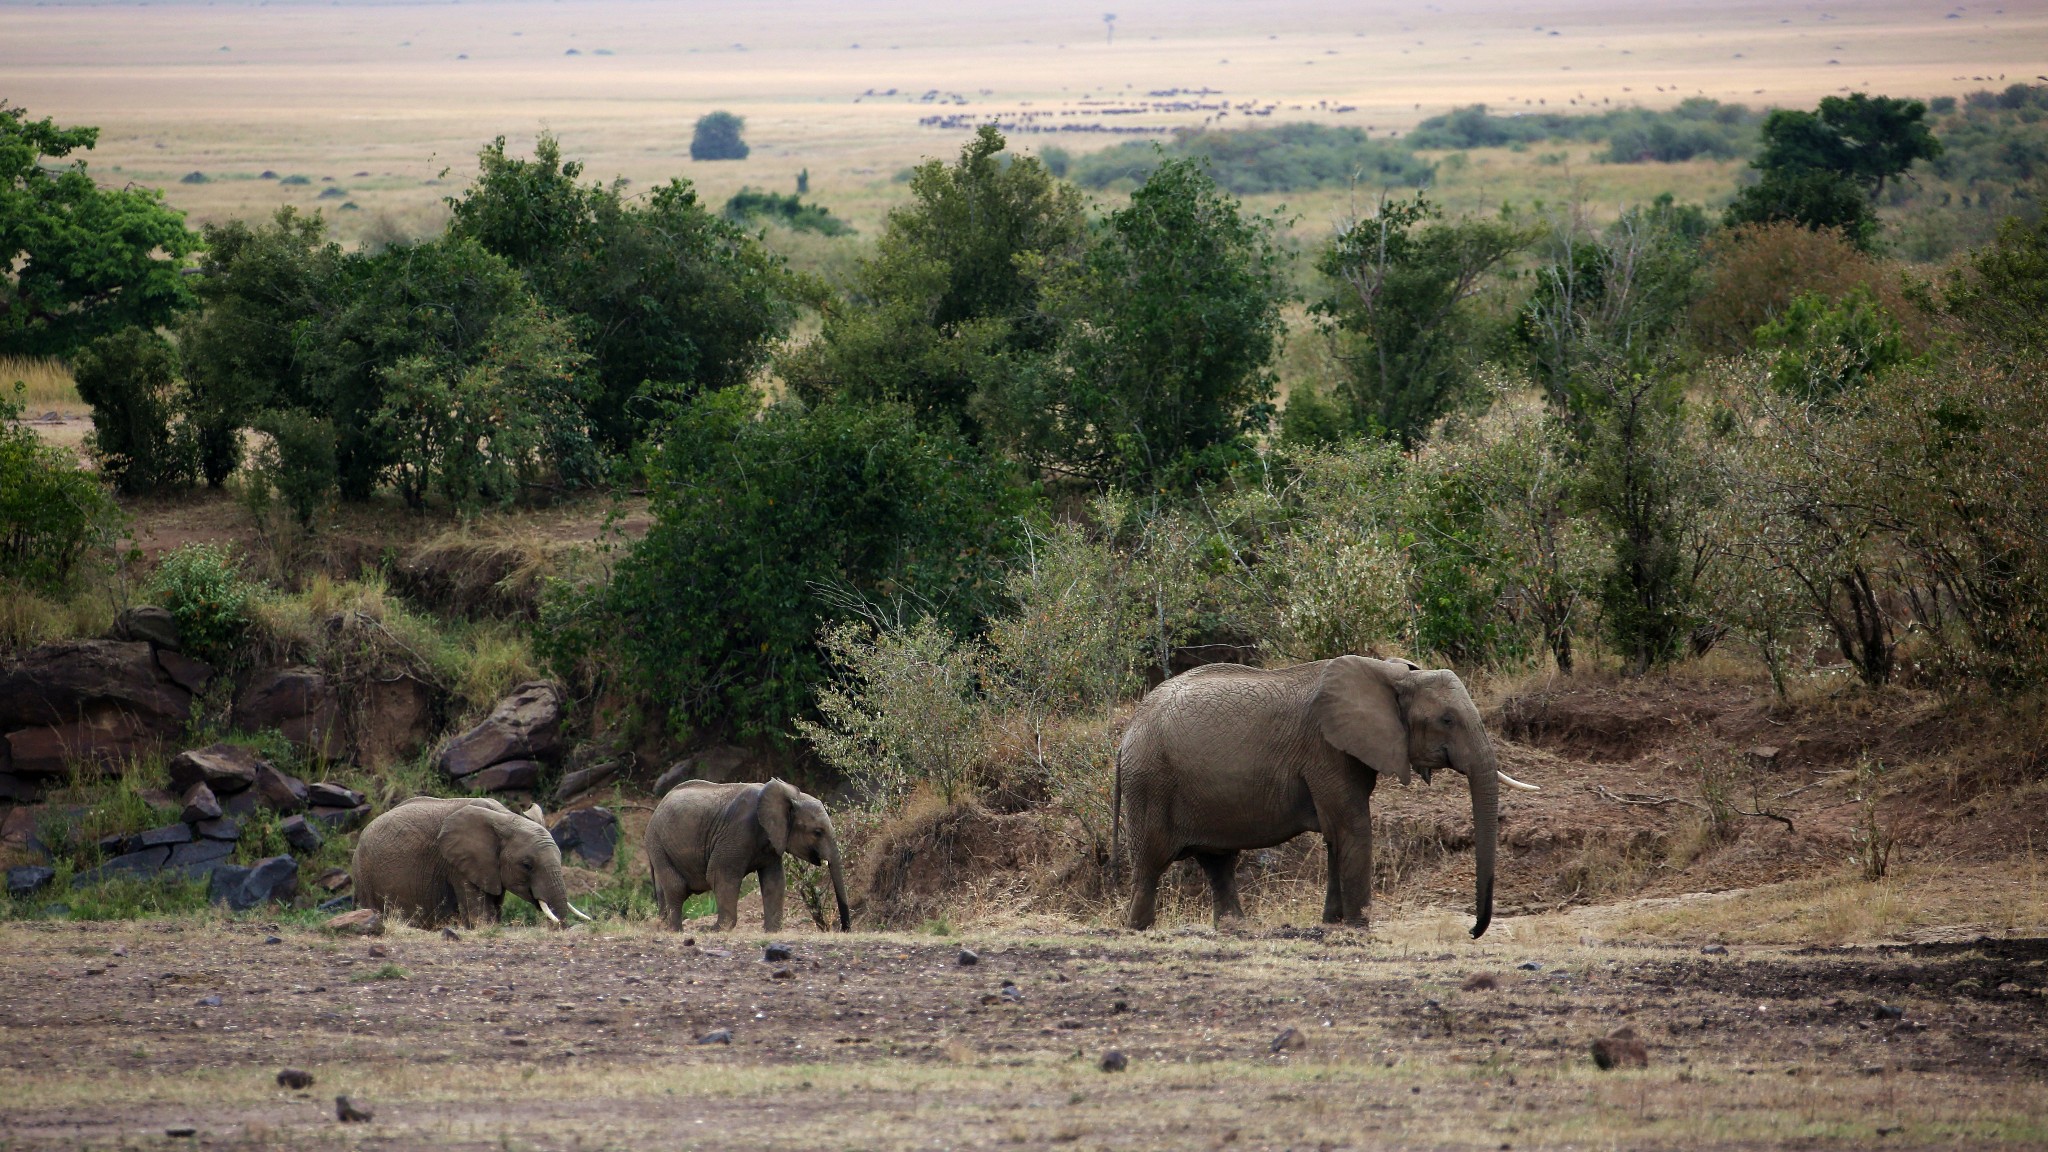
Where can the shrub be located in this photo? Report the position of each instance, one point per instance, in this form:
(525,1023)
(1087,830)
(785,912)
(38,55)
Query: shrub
(297,461)
(131,380)
(1254,161)
(905,710)
(1811,199)
(1824,348)
(770,524)
(717,137)
(1752,273)
(51,513)
(747,206)
(201,585)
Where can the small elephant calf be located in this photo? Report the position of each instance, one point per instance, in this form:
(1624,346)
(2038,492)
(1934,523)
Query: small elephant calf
(706,837)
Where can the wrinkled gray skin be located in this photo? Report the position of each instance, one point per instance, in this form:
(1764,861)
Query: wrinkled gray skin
(436,861)
(1226,758)
(706,837)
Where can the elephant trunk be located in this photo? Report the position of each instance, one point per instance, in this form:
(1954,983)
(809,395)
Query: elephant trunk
(1484,777)
(838,875)
(552,896)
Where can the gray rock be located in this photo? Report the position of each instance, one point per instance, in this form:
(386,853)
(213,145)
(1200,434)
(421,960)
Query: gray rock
(525,725)
(582,780)
(192,675)
(105,739)
(1114,1061)
(199,858)
(716,1036)
(592,833)
(279,792)
(300,834)
(395,721)
(720,764)
(147,862)
(115,844)
(160,837)
(506,776)
(225,828)
(28,879)
(147,623)
(15,788)
(327,794)
(224,768)
(298,702)
(200,805)
(275,878)
(340,819)
(338,904)
(969,957)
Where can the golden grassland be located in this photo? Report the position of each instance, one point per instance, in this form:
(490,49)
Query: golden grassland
(382,106)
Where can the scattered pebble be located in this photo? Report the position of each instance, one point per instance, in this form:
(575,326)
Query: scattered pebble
(209,1002)
(782,974)
(181,1130)
(294,1078)
(775,952)
(1887,1012)
(1120,1006)
(1115,1061)
(273,939)
(1714,950)
(1530,966)
(1872,1070)
(718,1036)
(689,941)
(1288,1038)
(450,934)
(1620,1048)
(1011,993)
(349,1112)
(1481,982)
(378,951)
(969,957)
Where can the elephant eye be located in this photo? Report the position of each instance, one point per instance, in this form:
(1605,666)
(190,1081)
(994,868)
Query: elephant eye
(1447,719)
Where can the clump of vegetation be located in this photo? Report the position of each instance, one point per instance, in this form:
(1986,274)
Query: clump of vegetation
(1697,126)
(1250,161)
(51,513)
(202,586)
(718,137)
(748,206)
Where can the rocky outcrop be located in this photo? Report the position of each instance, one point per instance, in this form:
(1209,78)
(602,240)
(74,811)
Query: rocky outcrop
(525,727)
(720,764)
(298,702)
(148,624)
(274,879)
(396,718)
(92,702)
(225,768)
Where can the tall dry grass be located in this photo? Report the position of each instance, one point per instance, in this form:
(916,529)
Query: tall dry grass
(46,384)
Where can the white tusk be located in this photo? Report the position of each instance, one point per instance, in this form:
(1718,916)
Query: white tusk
(549,912)
(581,913)
(1511,782)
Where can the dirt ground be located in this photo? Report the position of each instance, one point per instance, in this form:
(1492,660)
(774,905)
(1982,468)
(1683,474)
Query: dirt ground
(112,1035)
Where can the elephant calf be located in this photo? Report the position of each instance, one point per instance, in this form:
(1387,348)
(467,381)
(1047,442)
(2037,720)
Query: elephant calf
(434,860)
(706,837)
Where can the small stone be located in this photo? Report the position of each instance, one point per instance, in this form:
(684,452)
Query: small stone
(2009,986)
(225,828)
(1530,966)
(1714,950)
(209,1002)
(180,1131)
(200,805)
(1887,1012)
(349,1112)
(162,837)
(775,952)
(1010,993)
(1120,1007)
(717,1036)
(273,939)
(334,880)
(300,834)
(361,922)
(341,903)
(969,958)
(689,941)
(450,934)
(379,952)
(1288,1038)
(340,819)
(224,768)
(1620,1048)
(328,794)
(1115,1061)
(782,974)
(295,1079)
(1481,982)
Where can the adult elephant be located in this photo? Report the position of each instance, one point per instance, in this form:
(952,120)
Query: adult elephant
(706,837)
(433,860)
(1226,758)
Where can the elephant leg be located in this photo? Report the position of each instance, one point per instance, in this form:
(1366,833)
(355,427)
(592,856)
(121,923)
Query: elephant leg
(771,896)
(1354,866)
(671,892)
(725,889)
(1222,871)
(1146,869)
(1333,896)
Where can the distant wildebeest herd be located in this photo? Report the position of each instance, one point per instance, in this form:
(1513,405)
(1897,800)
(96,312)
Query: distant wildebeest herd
(1217,761)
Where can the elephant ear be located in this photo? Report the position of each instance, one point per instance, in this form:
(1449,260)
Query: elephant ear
(469,843)
(534,814)
(773,813)
(1358,710)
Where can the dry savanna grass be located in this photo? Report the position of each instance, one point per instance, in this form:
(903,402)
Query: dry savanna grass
(381,107)
(45,385)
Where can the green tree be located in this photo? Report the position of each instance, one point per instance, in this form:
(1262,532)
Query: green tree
(1167,324)
(130,378)
(1397,305)
(1868,139)
(264,292)
(718,137)
(76,260)
(950,303)
(1825,347)
(1811,198)
(664,297)
(51,513)
(769,524)
(2000,296)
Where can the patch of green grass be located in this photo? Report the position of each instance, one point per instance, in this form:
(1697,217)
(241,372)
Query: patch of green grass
(130,898)
(387,972)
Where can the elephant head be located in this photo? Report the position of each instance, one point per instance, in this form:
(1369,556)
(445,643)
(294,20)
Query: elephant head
(497,851)
(1399,719)
(796,823)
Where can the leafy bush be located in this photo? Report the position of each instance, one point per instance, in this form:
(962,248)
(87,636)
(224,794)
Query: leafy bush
(1752,274)
(1252,161)
(1695,127)
(1825,347)
(769,525)
(131,380)
(717,137)
(297,461)
(202,587)
(905,711)
(51,513)
(747,206)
